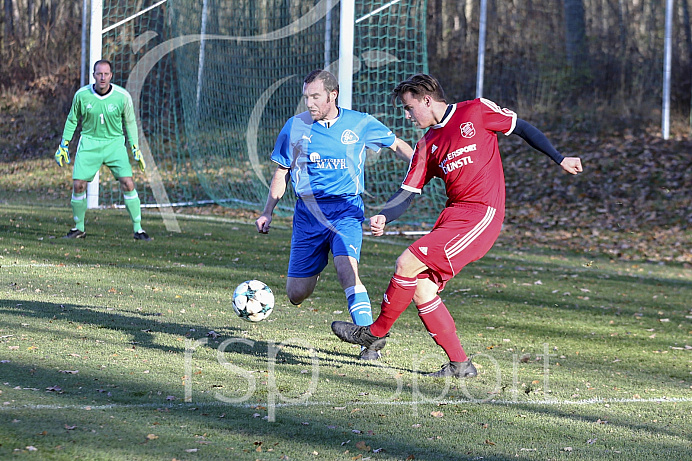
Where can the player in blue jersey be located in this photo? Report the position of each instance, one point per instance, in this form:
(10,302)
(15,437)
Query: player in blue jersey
(323,150)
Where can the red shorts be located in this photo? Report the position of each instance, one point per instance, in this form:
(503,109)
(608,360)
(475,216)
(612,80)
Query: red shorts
(462,234)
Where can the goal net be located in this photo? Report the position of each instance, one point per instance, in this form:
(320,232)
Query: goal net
(215,80)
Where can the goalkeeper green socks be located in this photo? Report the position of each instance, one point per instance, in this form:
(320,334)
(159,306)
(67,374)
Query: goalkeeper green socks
(79,207)
(133,207)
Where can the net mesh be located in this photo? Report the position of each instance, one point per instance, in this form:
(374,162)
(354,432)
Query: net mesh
(216,80)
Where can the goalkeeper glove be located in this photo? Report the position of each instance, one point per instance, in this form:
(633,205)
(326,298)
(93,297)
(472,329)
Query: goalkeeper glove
(62,155)
(137,154)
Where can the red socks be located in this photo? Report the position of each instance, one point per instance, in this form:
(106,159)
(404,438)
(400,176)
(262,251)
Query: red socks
(434,314)
(397,298)
(440,325)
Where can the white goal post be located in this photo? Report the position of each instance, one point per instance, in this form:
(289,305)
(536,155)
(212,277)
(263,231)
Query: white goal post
(95,46)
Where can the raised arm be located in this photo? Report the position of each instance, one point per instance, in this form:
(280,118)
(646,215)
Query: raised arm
(536,139)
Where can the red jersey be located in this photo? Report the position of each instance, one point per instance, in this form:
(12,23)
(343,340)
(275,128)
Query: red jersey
(463,151)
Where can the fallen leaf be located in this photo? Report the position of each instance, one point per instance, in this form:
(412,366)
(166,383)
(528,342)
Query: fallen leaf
(362,446)
(488,442)
(437,414)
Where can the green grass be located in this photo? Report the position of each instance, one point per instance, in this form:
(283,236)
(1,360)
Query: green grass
(122,350)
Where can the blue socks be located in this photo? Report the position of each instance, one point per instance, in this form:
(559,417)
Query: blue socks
(359,305)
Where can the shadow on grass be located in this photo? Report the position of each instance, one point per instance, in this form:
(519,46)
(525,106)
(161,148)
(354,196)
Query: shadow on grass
(46,399)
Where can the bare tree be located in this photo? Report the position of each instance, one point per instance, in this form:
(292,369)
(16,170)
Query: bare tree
(9,22)
(688,41)
(575,38)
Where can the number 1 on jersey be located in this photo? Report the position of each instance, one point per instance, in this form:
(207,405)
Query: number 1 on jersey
(103,120)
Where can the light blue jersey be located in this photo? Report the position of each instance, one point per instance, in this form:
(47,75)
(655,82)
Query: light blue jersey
(329,162)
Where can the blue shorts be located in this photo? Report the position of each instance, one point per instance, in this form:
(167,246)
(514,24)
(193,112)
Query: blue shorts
(320,227)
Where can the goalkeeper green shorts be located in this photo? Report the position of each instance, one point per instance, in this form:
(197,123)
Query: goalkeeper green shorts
(92,153)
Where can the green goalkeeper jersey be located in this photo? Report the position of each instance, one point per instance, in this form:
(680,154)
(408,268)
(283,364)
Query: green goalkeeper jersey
(102,116)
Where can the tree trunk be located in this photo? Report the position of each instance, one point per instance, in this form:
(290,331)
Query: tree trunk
(9,20)
(435,23)
(688,40)
(575,34)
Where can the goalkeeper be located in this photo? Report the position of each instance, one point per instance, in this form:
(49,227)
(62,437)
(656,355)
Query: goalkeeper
(103,108)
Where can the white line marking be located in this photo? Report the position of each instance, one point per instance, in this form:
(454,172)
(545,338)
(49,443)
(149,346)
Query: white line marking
(538,403)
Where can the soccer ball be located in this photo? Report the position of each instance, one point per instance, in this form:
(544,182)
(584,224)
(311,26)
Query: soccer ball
(253,301)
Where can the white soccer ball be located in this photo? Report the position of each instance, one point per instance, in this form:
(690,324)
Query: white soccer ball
(253,301)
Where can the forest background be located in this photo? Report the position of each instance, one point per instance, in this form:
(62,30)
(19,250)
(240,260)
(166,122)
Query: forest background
(588,72)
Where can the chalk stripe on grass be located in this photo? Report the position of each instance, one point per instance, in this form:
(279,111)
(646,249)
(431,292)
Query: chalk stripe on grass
(538,403)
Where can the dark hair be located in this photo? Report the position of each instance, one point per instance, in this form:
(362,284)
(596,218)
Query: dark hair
(419,85)
(328,79)
(103,61)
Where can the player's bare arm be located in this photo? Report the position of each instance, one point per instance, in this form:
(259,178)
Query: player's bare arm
(277,188)
(402,149)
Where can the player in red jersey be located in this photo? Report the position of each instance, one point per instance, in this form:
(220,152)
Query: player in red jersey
(460,147)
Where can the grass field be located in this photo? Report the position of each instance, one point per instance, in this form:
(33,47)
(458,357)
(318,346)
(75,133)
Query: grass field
(112,349)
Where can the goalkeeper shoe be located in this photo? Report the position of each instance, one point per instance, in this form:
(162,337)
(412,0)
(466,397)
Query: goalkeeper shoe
(369,354)
(142,235)
(75,234)
(455,369)
(355,334)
